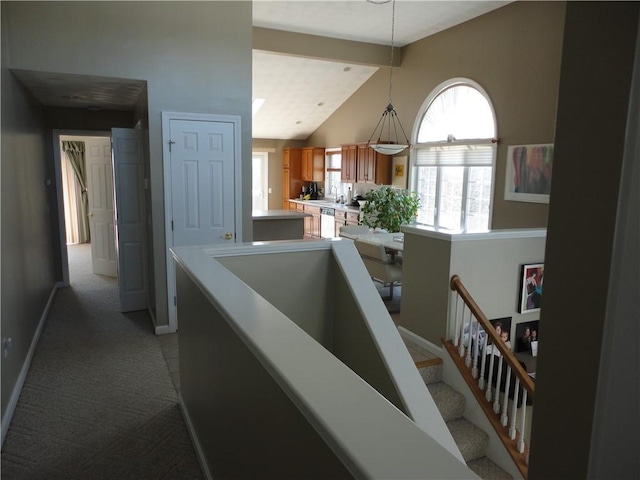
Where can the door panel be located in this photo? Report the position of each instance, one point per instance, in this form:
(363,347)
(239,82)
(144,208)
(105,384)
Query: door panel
(200,161)
(130,227)
(202,176)
(101,210)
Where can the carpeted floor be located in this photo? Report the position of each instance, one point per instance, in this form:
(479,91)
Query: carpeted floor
(392,304)
(98,402)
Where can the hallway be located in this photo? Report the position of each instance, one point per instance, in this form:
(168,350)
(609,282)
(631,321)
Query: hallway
(98,401)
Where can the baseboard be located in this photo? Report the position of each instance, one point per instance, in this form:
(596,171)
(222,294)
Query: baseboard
(17,388)
(194,439)
(417,339)
(163,330)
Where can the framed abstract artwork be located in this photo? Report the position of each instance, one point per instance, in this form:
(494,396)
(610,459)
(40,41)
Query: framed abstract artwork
(531,279)
(529,173)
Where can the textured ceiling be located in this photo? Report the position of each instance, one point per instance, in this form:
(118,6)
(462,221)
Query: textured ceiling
(300,93)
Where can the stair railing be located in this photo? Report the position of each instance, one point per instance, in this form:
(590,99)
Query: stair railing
(475,339)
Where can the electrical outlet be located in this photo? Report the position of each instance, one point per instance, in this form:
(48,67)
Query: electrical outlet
(7,344)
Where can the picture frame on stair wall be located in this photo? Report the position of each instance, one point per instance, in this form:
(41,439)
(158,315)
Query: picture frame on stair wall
(526,334)
(530,285)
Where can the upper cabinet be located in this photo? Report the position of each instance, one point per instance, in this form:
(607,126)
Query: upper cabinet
(362,164)
(291,175)
(313,164)
(349,160)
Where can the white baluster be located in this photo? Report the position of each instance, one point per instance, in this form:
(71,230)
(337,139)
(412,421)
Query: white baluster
(522,421)
(467,360)
(474,370)
(487,395)
(456,327)
(512,427)
(481,383)
(461,348)
(505,417)
(496,403)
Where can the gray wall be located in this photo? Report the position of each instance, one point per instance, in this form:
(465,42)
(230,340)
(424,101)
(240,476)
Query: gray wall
(593,108)
(275,166)
(513,53)
(28,237)
(246,424)
(195,57)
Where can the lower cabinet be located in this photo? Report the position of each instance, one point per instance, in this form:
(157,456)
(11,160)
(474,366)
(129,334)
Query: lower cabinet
(312,223)
(346,219)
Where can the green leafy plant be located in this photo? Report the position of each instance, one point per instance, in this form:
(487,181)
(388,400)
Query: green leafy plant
(389,208)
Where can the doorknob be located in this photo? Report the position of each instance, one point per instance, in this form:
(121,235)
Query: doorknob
(227,236)
(90,214)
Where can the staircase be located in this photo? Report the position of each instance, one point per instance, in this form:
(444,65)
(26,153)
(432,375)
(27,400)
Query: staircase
(471,440)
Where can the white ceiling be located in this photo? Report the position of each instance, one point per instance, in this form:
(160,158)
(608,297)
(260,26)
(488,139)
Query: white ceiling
(293,87)
(300,93)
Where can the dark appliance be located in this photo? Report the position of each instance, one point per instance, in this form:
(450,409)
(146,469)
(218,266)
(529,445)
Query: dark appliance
(313,190)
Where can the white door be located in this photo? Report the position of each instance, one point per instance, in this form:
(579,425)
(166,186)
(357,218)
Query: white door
(202,170)
(200,185)
(130,224)
(101,211)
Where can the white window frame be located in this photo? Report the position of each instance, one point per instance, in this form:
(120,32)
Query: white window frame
(484,141)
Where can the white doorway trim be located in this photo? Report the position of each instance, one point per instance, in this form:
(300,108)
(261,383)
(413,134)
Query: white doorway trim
(57,161)
(167,117)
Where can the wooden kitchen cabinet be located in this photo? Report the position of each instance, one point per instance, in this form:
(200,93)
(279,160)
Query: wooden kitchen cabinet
(340,221)
(291,175)
(344,218)
(353,218)
(313,164)
(362,164)
(312,223)
(372,167)
(349,159)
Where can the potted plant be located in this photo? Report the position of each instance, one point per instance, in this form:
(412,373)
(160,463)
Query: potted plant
(389,208)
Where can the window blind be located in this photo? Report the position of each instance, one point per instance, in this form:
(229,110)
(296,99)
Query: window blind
(454,155)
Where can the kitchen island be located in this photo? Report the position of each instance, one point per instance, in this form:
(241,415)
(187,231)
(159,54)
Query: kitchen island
(278,225)
(327,216)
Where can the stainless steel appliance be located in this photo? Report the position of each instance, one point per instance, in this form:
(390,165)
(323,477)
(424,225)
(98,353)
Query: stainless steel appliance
(327,222)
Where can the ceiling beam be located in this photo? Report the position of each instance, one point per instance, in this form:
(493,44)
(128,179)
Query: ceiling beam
(324,48)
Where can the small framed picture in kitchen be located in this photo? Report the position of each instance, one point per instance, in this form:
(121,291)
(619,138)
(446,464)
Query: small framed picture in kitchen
(399,172)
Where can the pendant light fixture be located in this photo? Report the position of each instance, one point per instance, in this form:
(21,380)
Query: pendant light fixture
(384,138)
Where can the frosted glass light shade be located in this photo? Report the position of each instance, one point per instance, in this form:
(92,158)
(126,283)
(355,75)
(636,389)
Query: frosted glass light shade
(388,148)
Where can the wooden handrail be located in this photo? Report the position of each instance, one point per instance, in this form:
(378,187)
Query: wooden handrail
(512,361)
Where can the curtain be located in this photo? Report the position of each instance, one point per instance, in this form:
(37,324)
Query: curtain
(75,154)
(72,198)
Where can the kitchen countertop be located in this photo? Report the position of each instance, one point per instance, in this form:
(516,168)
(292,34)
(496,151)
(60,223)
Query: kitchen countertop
(325,202)
(277,214)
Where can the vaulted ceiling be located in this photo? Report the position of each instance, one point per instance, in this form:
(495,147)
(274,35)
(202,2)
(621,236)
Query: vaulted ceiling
(300,92)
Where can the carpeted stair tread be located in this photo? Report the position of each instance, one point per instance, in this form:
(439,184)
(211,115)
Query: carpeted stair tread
(430,373)
(471,440)
(450,402)
(486,469)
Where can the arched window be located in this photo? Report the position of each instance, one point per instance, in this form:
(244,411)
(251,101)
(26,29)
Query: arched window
(454,156)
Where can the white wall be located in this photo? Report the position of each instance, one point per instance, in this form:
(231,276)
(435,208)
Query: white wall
(488,265)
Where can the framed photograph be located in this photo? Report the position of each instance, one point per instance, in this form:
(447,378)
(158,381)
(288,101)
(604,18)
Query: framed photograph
(526,334)
(502,327)
(531,279)
(529,173)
